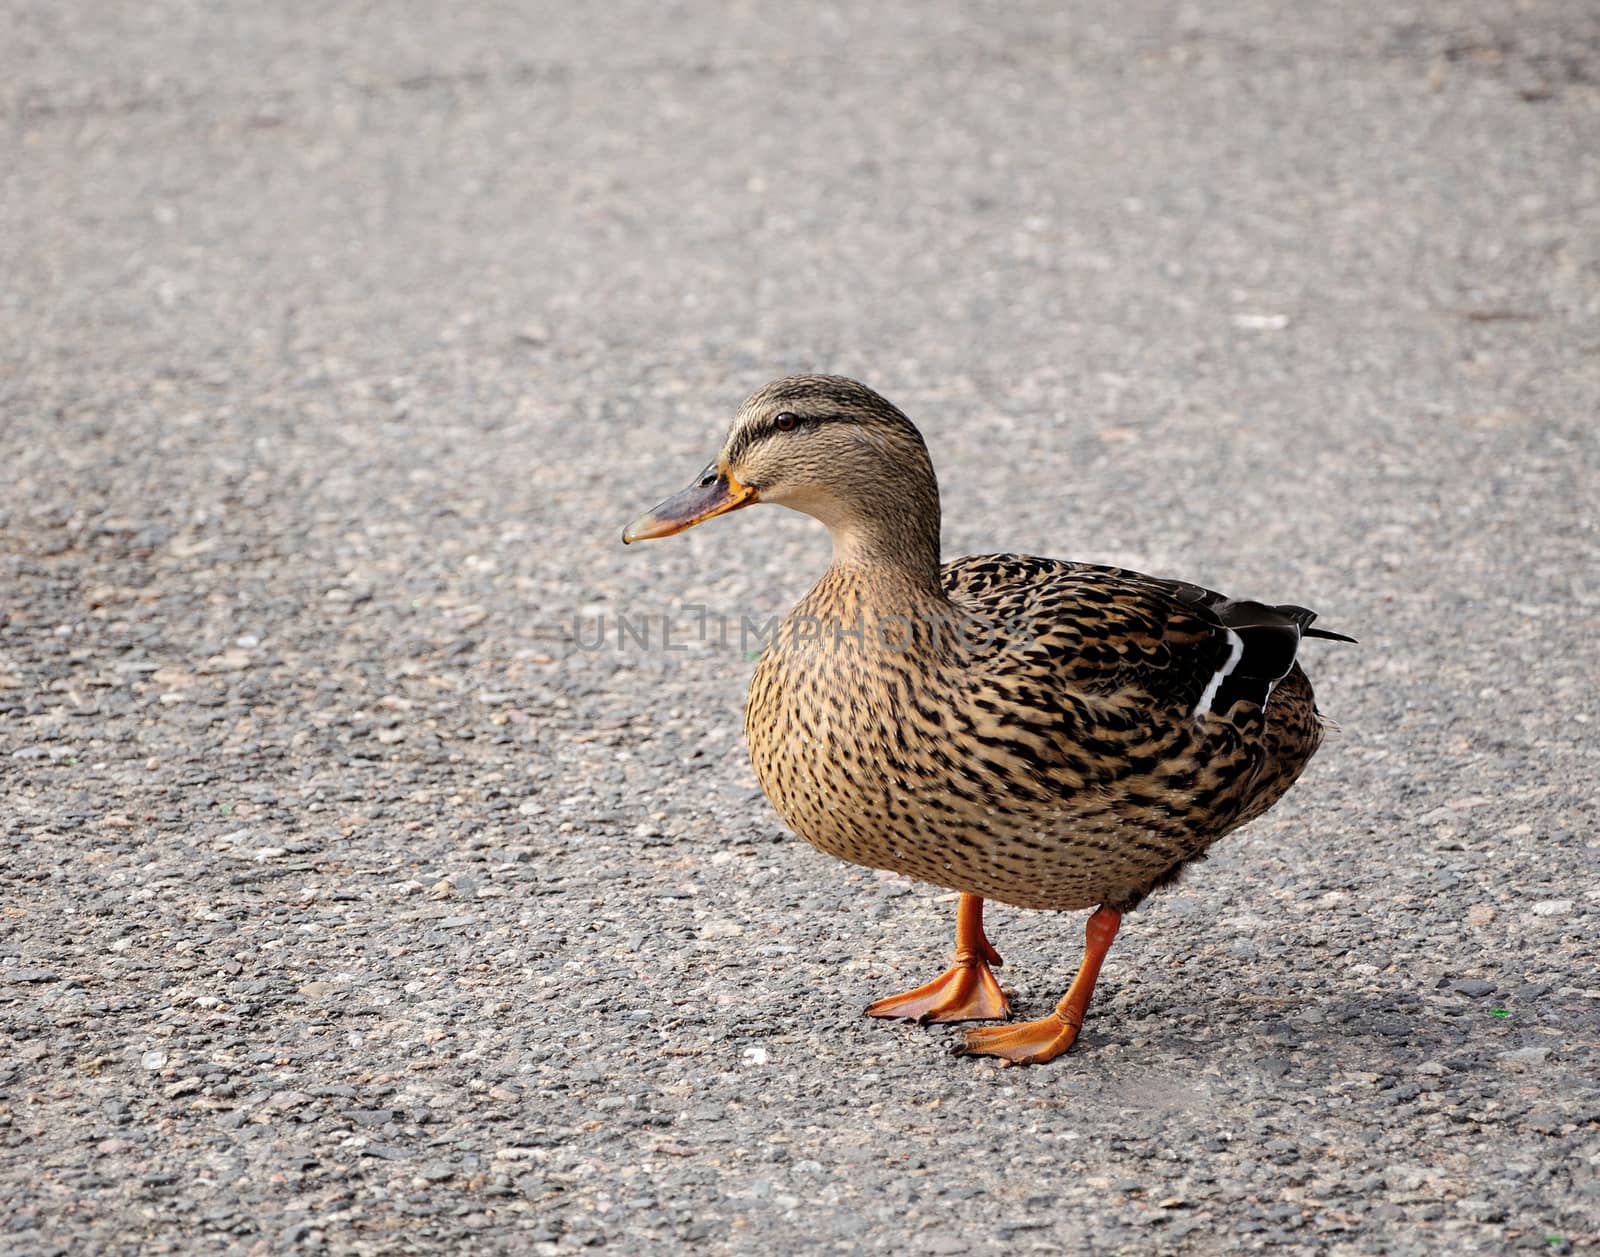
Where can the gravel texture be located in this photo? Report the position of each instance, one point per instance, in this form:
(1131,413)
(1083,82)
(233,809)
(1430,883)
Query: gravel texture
(367,890)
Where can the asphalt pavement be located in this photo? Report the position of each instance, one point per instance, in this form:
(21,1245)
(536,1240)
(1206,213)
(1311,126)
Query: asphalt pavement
(382,869)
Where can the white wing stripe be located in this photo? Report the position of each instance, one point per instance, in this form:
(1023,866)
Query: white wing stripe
(1235,653)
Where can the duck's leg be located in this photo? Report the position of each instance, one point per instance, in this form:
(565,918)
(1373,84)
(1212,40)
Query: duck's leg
(1034,1042)
(967,991)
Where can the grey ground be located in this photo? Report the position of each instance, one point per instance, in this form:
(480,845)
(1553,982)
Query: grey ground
(364,893)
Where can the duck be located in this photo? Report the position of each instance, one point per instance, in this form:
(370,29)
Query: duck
(1045,733)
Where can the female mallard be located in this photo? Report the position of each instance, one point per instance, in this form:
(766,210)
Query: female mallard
(1044,733)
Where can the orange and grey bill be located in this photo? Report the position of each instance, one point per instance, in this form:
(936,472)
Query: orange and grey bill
(714,493)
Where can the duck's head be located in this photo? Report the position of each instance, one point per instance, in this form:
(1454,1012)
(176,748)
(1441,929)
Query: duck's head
(829,447)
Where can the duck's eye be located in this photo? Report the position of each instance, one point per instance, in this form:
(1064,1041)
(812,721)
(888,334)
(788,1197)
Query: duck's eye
(788,421)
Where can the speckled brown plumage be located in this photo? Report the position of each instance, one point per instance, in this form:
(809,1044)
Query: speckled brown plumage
(1049,734)
(1053,762)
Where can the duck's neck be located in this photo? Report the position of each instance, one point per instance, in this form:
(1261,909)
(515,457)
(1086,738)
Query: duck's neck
(888,535)
(897,552)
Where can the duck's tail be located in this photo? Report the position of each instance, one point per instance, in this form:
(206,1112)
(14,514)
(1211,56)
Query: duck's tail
(1269,639)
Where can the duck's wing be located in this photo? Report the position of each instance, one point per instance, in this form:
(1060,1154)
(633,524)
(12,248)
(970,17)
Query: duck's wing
(1269,636)
(1107,631)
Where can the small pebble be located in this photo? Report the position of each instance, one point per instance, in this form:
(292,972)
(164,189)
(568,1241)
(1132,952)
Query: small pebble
(27,974)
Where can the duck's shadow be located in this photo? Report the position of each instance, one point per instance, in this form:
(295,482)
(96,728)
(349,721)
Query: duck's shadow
(1375,1029)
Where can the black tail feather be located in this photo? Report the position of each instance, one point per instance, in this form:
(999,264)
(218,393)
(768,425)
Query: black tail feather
(1271,637)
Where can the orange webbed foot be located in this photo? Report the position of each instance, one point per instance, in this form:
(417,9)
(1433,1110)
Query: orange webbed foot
(1035,1042)
(967,991)
(1030,1043)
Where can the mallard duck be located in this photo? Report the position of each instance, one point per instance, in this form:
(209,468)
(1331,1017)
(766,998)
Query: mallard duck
(1045,733)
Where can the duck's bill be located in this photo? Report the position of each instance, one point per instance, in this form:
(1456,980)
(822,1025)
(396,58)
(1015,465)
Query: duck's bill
(714,493)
